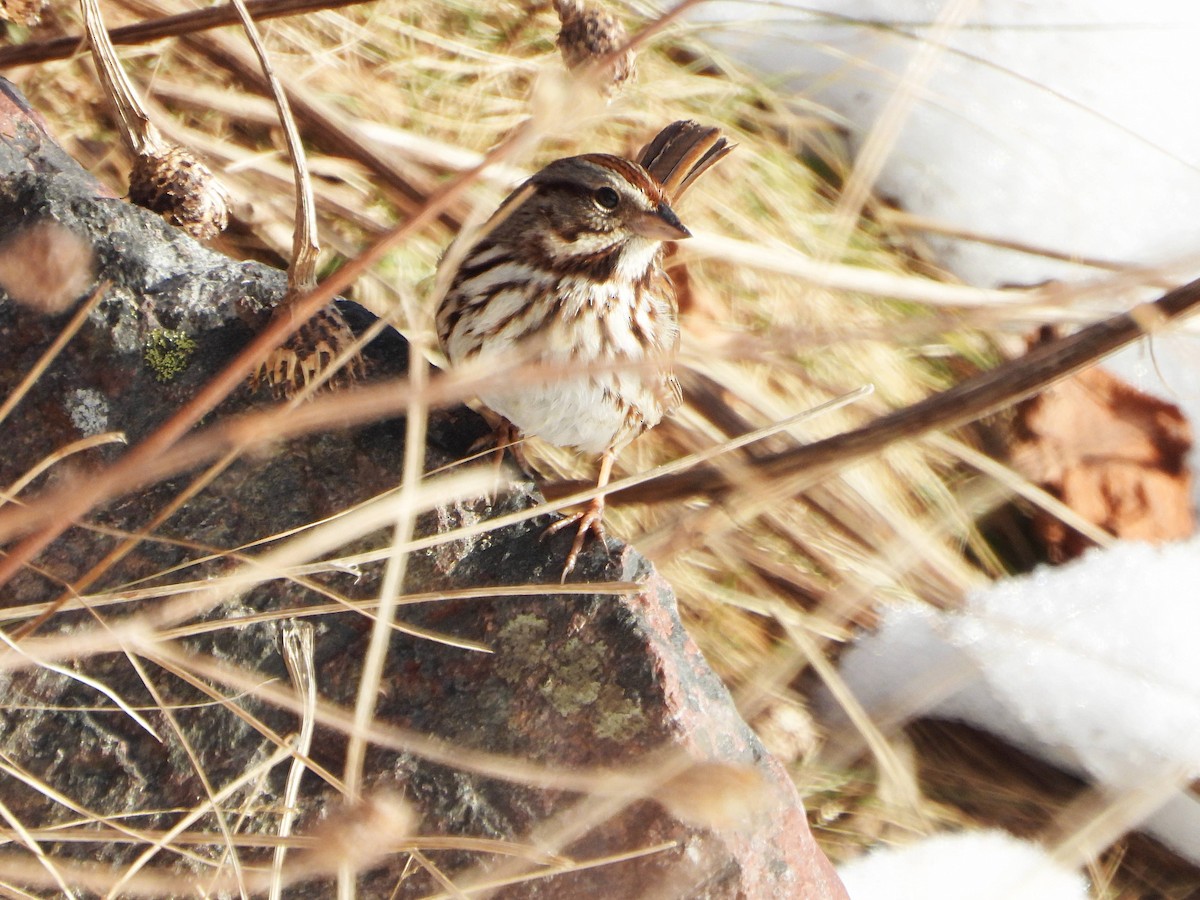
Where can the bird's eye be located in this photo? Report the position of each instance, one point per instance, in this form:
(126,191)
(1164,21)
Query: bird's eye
(606,198)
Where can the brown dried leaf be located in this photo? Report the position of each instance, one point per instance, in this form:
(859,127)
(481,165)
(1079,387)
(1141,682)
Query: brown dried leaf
(1113,454)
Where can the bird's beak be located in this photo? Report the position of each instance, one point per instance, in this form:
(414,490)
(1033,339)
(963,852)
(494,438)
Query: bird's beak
(660,224)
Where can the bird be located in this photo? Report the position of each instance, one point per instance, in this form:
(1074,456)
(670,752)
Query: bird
(568,274)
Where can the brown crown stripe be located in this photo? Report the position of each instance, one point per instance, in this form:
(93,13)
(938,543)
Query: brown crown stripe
(631,172)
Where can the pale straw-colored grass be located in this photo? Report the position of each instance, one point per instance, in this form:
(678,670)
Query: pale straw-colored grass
(794,301)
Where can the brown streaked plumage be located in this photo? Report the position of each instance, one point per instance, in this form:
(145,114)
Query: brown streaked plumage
(569,274)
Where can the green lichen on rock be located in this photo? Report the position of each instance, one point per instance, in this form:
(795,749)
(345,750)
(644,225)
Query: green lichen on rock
(522,639)
(168,353)
(621,718)
(576,682)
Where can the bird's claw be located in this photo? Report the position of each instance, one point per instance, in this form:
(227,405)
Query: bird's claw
(590,519)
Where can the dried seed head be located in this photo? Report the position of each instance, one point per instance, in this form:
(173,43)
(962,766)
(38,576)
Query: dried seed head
(715,795)
(588,34)
(23,12)
(308,353)
(182,190)
(359,834)
(787,730)
(46,267)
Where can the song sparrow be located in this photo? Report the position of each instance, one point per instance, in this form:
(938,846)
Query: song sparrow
(569,274)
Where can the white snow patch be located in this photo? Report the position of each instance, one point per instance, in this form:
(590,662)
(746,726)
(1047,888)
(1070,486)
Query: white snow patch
(978,865)
(1091,665)
(1059,123)
(1099,655)
(972,865)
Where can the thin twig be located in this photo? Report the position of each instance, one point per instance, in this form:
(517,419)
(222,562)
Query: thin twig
(166,26)
(138,132)
(53,350)
(887,127)
(302,275)
(32,845)
(189,750)
(393,583)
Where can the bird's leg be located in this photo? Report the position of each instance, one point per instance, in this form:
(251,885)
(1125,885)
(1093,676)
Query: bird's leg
(590,518)
(503,436)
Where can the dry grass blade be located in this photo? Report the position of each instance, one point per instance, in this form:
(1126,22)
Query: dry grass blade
(393,580)
(27,839)
(13,491)
(878,145)
(299,646)
(17,773)
(165,841)
(43,363)
(229,845)
(1099,818)
(302,271)
(1023,487)
(136,129)
(33,660)
(166,26)
(491,592)
(859,279)
(438,875)
(898,777)
(908,221)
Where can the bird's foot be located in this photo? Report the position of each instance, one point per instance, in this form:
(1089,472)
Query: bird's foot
(591,520)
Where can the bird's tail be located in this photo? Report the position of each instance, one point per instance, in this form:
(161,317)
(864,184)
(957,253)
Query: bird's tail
(681,153)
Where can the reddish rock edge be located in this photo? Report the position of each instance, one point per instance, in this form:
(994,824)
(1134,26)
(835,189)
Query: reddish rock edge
(574,680)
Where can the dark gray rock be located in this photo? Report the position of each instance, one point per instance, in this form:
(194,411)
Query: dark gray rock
(575,683)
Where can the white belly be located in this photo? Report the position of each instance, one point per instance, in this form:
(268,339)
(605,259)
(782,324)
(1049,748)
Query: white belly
(572,412)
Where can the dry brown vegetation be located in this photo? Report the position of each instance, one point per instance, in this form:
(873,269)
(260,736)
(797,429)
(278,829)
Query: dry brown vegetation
(786,310)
